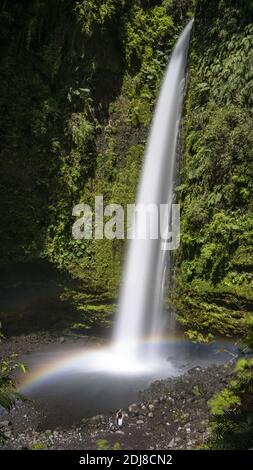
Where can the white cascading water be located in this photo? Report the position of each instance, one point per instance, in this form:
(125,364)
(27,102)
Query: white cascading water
(141,294)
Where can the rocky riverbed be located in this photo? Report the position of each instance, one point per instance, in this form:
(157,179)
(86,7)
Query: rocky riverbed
(170,414)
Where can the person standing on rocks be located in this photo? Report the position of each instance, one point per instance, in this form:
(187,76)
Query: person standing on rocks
(119,418)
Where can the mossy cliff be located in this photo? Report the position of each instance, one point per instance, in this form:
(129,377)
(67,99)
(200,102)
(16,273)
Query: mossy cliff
(214,269)
(79,80)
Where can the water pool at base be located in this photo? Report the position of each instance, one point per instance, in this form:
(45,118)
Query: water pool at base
(71,384)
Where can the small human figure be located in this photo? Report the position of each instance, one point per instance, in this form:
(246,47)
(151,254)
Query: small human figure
(119,418)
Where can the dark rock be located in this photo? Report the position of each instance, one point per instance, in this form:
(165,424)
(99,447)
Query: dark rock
(5,424)
(171,443)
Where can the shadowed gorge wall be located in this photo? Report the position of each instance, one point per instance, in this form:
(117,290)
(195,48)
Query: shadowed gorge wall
(79,81)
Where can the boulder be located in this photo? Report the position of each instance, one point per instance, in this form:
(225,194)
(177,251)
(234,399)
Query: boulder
(171,443)
(5,424)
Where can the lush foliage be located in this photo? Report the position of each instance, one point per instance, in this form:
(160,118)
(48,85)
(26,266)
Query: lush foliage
(232,423)
(8,392)
(144,34)
(77,94)
(214,270)
(103,444)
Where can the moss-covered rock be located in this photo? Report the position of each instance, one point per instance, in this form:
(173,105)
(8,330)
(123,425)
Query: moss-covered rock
(79,82)
(214,266)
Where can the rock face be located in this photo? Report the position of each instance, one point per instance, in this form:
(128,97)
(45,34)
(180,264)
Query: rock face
(171,443)
(203,299)
(5,424)
(133,409)
(91,132)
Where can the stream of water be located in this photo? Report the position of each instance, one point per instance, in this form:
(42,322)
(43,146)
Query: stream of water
(142,286)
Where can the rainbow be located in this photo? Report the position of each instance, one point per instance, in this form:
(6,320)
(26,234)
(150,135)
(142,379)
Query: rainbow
(96,360)
(105,359)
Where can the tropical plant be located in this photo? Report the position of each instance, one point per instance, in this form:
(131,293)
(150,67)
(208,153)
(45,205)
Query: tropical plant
(8,392)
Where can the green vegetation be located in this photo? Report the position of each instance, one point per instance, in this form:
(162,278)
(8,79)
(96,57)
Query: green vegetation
(82,80)
(103,444)
(223,401)
(144,35)
(8,392)
(196,391)
(38,446)
(75,118)
(232,422)
(214,267)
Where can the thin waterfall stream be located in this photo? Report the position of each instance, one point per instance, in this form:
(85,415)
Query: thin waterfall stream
(142,287)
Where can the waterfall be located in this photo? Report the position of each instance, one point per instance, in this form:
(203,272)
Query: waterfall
(140,303)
